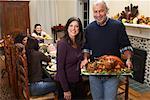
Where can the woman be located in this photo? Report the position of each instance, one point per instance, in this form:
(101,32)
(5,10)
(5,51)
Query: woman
(38,33)
(69,55)
(21,38)
(38,84)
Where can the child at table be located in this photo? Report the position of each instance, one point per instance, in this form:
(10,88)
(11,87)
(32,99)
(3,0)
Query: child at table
(39,34)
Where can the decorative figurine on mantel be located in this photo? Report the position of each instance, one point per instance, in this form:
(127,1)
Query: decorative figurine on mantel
(131,15)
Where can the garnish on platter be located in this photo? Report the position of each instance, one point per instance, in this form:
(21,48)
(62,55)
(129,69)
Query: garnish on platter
(106,65)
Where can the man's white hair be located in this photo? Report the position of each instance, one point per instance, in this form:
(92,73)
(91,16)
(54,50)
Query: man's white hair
(101,1)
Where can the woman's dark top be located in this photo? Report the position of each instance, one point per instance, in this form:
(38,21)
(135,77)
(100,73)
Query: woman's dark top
(68,64)
(35,73)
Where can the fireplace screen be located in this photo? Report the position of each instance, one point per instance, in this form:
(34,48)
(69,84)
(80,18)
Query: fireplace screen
(139,60)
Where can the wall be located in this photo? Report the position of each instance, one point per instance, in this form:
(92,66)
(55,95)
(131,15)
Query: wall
(51,12)
(14,0)
(66,9)
(117,6)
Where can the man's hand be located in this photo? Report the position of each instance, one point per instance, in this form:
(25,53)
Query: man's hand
(129,63)
(128,54)
(67,95)
(83,63)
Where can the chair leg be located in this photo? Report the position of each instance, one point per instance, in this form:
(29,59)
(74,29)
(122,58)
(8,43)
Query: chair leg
(127,88)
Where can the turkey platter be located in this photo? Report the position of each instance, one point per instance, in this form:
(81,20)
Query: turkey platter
(107,65)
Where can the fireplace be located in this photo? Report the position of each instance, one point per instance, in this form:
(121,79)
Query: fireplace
(139,36)
(139,60)
(144,45)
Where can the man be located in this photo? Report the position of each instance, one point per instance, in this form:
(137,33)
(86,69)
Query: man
(105,36)
(39,34)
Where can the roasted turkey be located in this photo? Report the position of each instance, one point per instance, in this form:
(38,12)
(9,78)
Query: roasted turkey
(107,63)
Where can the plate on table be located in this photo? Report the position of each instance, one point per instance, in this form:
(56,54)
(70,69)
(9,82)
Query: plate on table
(52,68)
(43,44)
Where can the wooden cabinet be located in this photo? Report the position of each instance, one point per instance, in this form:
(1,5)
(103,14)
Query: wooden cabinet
(14,16)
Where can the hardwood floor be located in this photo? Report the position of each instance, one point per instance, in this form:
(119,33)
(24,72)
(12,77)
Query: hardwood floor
(136,95)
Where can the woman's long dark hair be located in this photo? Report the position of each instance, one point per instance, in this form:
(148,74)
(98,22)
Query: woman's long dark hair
(32,44)
(19,38)
(79,39)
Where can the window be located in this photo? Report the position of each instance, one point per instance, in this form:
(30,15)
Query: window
(85,13)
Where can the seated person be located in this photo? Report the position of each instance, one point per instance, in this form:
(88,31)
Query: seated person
(21,38)
(39,85)
(39,34)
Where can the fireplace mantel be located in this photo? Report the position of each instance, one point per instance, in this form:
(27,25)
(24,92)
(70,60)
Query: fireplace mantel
(137,25)
(138,30)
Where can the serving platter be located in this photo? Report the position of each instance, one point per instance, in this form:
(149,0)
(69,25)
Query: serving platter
(123,72)
(106,65)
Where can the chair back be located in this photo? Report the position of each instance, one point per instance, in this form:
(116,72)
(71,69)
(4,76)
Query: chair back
(22,73)
(7,53)
(10,62)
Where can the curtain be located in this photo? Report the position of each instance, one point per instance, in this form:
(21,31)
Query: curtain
(43,12)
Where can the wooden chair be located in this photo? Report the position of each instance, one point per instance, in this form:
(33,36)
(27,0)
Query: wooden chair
(23,81)
(124,87)
(8,63)
(3,71)
(14,69)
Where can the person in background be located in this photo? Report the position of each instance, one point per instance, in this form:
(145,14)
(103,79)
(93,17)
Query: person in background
(105,36)
(39,85)
(21,38)
(39,34)
(69,55)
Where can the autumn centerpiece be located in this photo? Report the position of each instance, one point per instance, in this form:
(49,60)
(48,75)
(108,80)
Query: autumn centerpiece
(131,15)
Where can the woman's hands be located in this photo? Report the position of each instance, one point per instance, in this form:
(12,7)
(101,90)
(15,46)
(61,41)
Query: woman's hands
(67,95)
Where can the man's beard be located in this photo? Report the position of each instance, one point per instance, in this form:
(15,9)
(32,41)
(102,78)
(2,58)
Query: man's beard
(102,21)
